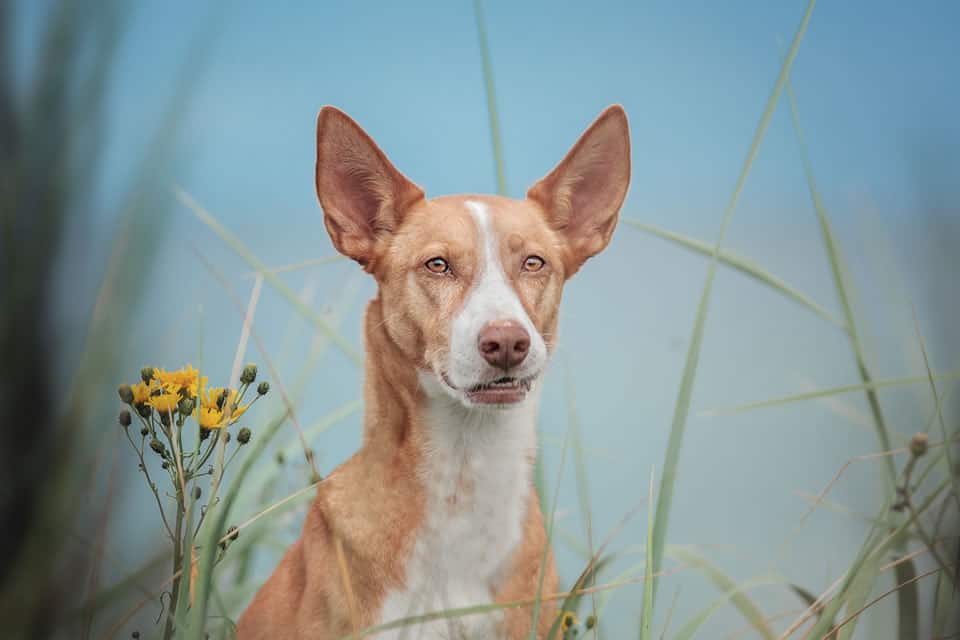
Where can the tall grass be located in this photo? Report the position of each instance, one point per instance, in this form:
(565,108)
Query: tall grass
(899,540)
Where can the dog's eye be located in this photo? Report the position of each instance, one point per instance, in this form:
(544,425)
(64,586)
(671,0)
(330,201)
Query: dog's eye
(533,263)
(437,265)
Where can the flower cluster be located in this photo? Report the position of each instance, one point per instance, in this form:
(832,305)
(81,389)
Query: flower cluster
(164,402)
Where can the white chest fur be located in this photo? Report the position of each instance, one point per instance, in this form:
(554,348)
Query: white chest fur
(476,471)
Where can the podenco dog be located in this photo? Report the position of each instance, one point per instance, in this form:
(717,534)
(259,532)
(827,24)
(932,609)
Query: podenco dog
(437,510)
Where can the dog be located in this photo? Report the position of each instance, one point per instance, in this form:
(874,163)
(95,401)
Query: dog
(437,509)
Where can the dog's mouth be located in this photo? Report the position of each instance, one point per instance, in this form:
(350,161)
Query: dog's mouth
(504,390)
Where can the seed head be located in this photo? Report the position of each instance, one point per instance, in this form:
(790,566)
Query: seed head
(125,393)
(185,406)
(918,444)
(249,374)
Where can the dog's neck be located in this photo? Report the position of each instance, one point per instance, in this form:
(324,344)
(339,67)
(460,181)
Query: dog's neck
(472,469)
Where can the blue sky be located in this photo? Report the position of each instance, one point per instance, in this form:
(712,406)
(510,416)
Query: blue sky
(871,78)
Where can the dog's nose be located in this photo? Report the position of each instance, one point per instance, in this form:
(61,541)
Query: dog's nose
(504,343)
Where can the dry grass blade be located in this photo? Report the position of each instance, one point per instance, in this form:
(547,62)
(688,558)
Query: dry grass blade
(274,373)
(487,608)
(856,614)
(297,266)
(243,252)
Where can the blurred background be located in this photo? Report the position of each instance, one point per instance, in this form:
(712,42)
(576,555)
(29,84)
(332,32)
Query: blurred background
(107,109)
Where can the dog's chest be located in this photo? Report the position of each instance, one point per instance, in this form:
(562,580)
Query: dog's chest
(477,478)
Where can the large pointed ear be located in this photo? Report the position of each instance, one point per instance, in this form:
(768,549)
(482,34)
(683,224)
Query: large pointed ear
(363,196)
(582,196)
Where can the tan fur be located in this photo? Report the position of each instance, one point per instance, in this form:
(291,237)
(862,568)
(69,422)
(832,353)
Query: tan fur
(374,503)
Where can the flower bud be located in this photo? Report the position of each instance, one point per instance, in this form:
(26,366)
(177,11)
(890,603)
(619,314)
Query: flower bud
(126,393)
(263,388)
(144,431)
(243,437)
(315,477)
(185,406)
(591,622)
(227,438)
(204,433)
(146,374)
(918,444)
(125,418)
(135,635)
(157,447)
(164,418)
(144,410)
(249,374)
(196,493)
(165,465)
(233,532)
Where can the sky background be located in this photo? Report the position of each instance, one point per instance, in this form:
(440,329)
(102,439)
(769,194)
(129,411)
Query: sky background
(876,90)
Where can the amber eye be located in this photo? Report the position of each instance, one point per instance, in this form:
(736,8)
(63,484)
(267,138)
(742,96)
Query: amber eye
(533,263)
(437,265)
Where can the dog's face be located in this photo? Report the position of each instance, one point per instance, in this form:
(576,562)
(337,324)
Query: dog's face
(470,286)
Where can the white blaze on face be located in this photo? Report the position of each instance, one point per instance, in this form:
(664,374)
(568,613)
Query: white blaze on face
(490,299)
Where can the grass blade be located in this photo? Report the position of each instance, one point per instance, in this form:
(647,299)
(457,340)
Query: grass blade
(646,618)
(688,630)
(496,138)
(908,622)
(938,411)
(583,490)
(844,291)
(860,590)
(546,547)
(682,408)
(742,264)
(733,592)
(832,391)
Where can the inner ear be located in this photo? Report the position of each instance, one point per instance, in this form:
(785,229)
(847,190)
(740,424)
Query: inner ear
(582,196)
(363,196)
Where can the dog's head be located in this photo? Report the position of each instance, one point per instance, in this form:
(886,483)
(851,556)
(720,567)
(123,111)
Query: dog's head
(470,286)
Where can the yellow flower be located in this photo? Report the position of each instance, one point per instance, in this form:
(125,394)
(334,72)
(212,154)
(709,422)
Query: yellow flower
(141,393)
(185,381)
(165,402)
(567,620)
(209,417)
(212,414)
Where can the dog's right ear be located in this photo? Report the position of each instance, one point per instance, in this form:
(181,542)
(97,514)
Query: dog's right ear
(363,196)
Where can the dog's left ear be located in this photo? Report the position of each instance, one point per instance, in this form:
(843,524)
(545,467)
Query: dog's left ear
(362,194)
(582,196)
